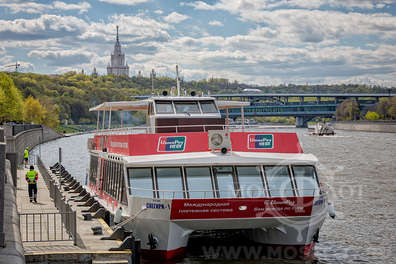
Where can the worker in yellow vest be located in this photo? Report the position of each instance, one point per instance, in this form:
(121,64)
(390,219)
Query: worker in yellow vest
(26,156)
(32,178)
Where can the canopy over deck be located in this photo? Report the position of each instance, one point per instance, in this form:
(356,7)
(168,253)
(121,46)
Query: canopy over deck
(142,105)
(122,106)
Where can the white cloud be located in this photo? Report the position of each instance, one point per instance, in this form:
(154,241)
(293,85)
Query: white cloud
(238,6)
(38,8)
(315,26)
(6,62)
(83,6)
(125,2)
(25,7)
(63,57)
(44,27)
(216,23)
(296,45)
(133,29)
(251,58)
(175,17)
(200,5)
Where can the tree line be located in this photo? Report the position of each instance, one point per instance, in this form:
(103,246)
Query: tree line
(385,109)
(53,99)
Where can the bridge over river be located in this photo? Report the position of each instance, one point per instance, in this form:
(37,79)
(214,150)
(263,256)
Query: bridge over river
(303,107)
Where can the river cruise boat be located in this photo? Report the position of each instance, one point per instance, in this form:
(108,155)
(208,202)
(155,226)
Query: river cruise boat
(187,171)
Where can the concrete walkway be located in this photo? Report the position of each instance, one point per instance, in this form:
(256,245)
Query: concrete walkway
(89,245)
(44,203)
(47,229)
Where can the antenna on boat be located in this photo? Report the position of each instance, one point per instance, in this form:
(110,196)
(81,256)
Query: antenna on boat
(152,81)
(177,80)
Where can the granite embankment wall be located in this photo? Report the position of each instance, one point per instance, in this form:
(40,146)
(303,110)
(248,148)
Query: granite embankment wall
(11,154)
(368,126)
(12,252)
(29,138)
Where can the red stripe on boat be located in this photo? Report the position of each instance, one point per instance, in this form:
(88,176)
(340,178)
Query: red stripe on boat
(241,207)
(163,254)
(147,144)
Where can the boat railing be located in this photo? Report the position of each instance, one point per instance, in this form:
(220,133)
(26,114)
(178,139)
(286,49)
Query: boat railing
(250,192)
(183,128)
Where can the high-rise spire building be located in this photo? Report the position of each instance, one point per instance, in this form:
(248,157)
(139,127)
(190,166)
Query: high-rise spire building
(117,65)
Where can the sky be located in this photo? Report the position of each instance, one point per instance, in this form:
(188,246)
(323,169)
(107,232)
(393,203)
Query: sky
(263,42)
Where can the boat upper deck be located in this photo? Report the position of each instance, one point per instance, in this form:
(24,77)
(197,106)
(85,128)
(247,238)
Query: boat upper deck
(186,142)
(184,124)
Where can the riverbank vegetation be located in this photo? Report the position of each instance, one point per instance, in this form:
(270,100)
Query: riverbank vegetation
(385,109)
(66,98)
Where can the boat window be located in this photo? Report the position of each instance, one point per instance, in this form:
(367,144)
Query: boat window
(123,192)
(110,189)
(117,181)
(250,181)
(164,107)
(170,183)
(93,172)
(279,181)
(140,182)
(199,182)
(225,181)
(105,173)
(187,107)
(306,180)
(208,107)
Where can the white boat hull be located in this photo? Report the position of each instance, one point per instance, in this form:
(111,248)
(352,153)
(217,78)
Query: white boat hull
(154,216)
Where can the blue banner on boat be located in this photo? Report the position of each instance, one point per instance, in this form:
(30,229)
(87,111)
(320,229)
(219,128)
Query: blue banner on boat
(171,144)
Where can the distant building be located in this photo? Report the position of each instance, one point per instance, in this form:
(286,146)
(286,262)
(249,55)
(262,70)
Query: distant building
(94,72)
(117,65)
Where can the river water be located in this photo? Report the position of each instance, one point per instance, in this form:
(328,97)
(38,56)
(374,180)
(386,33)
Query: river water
(358,167)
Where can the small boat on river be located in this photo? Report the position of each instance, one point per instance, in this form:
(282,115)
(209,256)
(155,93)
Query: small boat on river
(322,129)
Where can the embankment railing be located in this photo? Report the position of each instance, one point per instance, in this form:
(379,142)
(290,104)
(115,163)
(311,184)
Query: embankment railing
(51,226)
(44,227)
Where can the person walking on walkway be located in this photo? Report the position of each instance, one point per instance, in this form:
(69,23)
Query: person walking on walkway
(26,156)
(32,178)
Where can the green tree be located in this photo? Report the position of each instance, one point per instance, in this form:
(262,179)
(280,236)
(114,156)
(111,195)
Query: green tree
(51,113)
(382,108)
(34,112)
(11,100)
(348,110)
(372,115)
(392,108)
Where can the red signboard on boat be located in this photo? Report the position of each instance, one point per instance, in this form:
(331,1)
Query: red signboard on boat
(165,143)
(241,207)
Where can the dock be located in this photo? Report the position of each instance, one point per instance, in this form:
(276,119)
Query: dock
(49,232)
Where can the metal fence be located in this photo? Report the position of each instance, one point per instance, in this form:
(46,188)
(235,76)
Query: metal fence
(44,227)
(18,128)
(52,226)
